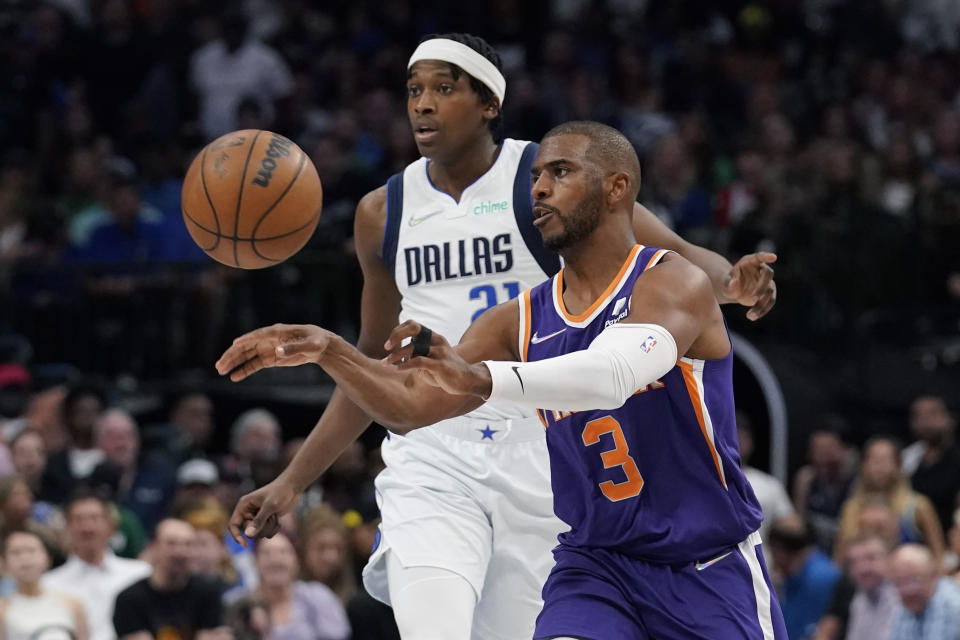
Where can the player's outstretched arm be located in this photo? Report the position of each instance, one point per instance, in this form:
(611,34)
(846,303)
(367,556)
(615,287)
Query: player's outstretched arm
(401,400)
(749,282)
(674,314)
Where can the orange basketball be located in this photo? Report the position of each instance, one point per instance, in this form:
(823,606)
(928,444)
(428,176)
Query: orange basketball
(251,199)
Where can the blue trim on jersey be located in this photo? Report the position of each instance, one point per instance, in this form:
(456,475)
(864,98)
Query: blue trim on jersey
(391,230)
(523,212)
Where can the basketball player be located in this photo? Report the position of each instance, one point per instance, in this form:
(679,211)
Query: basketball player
(467,510)
(628,349)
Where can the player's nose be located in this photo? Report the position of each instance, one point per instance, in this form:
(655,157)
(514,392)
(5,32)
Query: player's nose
(424,103)
(541,187)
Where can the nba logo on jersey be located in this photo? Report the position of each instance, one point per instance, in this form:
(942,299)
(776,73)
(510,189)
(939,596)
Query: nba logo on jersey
(647,345)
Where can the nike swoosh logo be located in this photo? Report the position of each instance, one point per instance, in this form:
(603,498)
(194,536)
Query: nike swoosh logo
(700,566)
(415,221)
(517,373)
(535,339)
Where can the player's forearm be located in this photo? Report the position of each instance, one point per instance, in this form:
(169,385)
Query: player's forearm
(717,268)
(391,398)
(341,423)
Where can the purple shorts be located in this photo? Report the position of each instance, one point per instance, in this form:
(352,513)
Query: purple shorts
(598,594)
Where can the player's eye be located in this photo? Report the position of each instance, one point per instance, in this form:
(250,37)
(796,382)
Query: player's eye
(445,89)
(559,172)
(413,90)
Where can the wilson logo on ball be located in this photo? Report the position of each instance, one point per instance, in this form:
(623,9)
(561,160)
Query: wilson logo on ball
(279,147)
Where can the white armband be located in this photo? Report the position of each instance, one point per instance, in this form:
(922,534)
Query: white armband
(623,359)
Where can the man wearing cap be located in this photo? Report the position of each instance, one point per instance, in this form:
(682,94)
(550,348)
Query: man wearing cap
(468,524)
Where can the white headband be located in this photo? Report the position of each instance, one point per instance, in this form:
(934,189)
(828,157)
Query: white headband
(465,58)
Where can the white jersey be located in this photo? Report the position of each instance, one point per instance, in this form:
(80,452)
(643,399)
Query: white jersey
(454,260)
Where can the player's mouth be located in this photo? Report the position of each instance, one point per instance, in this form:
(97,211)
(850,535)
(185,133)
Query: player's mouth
(542,214)
(424,133)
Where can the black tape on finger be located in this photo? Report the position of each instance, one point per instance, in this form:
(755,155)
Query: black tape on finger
(421,342)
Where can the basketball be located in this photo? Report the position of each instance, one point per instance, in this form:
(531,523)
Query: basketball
(251,199)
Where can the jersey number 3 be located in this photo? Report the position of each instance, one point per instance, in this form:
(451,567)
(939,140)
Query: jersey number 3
(619,456)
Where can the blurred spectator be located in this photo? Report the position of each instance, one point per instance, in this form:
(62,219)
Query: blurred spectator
(35,611)
(145,491)
(348,483)
(29,455)
(233,67)
(866,613)
(124,229)
(808,575)
(67,467)
(821,487)
(953,544)
(770,493)
(325,551)
(932,462)
(881,476)
(254,436)
(297,609)
(249,619)
(211,559)
(171,602)
(19,513)
(673,189)
(92,573)
(930,604)
(187,433)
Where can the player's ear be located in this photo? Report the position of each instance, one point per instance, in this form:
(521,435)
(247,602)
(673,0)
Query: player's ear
(616,186)
(492,109)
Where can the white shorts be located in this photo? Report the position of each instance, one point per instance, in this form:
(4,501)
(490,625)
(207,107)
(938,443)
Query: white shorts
(472,497)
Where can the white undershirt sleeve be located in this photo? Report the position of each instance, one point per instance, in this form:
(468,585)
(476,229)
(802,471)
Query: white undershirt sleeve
(623,359)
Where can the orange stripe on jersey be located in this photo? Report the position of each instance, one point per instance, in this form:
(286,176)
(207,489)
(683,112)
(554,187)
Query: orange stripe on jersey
(655,259)
(542,419)
(525,297)
(603,296)
(697,401)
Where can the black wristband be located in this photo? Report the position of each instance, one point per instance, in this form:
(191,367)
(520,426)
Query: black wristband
(421,342)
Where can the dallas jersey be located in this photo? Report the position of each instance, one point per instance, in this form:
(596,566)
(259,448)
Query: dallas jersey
(659,478)
(454,260)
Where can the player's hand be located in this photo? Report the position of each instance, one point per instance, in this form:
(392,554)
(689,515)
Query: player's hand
(751,284)
(441,367)
(257,514)
(282,345)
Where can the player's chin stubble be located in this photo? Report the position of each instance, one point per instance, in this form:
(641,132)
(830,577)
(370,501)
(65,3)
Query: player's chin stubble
(579,223)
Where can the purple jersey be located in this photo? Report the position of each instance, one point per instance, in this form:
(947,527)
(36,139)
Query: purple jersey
(659,478)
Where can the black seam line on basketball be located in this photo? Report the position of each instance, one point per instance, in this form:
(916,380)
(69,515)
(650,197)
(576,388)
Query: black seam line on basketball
(250,239)
(253,241)
(216,234)
(203,181)
(243,179)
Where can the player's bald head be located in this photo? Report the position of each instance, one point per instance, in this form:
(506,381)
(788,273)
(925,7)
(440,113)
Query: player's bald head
(607,148)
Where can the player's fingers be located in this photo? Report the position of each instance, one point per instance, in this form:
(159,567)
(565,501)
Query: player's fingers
(767,257)
(406,329)
(247,368)
(264,515)
(237,519)
(399,355)
(764,304)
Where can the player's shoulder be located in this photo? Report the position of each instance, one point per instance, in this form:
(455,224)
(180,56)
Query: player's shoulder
(373,201)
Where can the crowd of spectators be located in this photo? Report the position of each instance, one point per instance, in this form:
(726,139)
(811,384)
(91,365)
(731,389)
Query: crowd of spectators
(827,131)
(110,535)
(869,546)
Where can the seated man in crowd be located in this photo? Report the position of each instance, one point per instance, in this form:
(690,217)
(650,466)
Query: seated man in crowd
(929,603)
(171,604)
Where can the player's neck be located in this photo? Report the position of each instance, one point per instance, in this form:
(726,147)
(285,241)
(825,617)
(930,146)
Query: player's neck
(590,266)
(456,171)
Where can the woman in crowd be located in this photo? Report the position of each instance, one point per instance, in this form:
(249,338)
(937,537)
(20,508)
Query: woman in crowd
(882,480)
(298,610)
(325,546)
(32,611)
